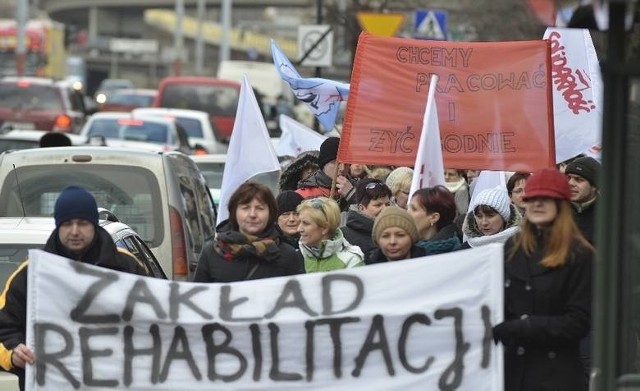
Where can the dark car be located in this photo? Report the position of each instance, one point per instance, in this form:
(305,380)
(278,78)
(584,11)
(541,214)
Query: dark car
(31,103)
(128,99)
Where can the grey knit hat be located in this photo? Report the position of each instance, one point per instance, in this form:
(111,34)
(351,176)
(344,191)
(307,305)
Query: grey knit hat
(394,216)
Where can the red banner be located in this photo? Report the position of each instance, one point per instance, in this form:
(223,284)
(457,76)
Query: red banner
(494,103)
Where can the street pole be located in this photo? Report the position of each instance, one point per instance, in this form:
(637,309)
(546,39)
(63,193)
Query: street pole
(178,44)
(226,30)
(199,49)
(21,29)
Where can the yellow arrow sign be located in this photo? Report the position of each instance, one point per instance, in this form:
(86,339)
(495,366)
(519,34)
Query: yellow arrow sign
(386,25)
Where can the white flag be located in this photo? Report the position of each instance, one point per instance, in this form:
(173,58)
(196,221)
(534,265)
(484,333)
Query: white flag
(429,169)
(322,96)
(577,91)
(488,180)
(297,138)
(250,150)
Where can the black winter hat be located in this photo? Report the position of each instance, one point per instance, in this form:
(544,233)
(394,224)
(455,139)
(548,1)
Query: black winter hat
(288,201)
(586,167)
(328,151)
(75,203)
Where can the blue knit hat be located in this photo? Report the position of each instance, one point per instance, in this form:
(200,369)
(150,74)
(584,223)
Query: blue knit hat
(75,203)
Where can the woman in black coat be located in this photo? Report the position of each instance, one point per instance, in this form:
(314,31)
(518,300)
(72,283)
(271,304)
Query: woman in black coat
(248,246)
(548,269)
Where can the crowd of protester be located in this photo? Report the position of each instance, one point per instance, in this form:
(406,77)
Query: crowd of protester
(330,216)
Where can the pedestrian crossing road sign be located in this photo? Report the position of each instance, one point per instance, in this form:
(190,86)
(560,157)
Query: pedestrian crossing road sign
(431,24)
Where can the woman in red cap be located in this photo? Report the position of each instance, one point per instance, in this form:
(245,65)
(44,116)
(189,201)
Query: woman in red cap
(547,295)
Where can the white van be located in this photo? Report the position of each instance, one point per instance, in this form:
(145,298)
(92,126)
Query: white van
(161,195)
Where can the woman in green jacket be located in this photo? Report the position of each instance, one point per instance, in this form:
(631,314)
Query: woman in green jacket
(322,244)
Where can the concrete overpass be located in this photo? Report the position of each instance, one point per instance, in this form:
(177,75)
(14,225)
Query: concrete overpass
(105,19)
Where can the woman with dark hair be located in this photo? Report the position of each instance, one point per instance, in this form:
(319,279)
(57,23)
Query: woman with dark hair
(372,196)
(434,210)
(547,294)
(248,246)
(492,218)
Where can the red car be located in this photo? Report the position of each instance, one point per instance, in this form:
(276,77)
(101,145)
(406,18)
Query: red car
(31,103)
(217,97)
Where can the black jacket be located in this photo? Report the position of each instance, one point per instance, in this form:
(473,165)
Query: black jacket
(213,267)
(357,231)
(13,315)
(585,218)
(555,308)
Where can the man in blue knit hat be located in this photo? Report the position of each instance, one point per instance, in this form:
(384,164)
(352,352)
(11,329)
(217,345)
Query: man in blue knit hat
(77,236)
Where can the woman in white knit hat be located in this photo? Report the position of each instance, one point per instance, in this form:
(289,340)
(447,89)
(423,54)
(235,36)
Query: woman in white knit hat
(492,218)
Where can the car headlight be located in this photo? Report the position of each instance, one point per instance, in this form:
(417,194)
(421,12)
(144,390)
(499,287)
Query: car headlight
(101,98)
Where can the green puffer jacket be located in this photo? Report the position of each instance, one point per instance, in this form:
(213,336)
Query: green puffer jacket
(334,254)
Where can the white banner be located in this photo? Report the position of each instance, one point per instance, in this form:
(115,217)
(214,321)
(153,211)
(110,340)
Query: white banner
(577,91)
(420,324)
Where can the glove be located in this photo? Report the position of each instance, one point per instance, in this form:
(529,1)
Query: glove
(509,331)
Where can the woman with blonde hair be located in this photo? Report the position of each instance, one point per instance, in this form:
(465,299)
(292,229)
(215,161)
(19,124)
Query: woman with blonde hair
(322,243)
(547,294)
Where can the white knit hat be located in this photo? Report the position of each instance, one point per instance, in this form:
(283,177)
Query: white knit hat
(497,198)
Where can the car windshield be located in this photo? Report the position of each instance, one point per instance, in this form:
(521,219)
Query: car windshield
(132,195)
(30,97)
(193,127)
(215,100)
(129,129)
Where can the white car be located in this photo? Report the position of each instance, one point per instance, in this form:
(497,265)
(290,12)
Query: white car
(212,169)
(24,139)
(20,234)
(122,129)
(196,123)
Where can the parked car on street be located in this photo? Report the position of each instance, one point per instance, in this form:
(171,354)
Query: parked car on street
(32,103)
(217,97)
(128,99)
(123,129)
(24,139)
(162,196)
(109,86)
(195,123)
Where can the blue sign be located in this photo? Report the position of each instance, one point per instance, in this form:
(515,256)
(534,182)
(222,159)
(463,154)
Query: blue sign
(431,24)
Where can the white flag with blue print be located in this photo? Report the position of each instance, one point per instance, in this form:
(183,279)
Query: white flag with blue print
(322,96)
